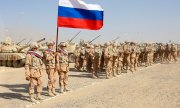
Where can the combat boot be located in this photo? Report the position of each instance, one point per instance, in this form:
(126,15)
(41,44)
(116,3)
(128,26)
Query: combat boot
(114,73)
(39,97)
(61,90)
(54,91)
(65,89)
(50,93)
(32,98)
(94,76)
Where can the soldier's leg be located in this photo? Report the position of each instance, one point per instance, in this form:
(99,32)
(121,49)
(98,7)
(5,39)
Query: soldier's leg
(31,89)
(84,65)
(39,88)
(50,82)
(108,69)
(135,64)
(61,83)
(120,69)
(54,82)
(65,81)
(114,69)
(94,72)
(132,65)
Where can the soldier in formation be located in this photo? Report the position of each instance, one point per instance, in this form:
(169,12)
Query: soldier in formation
(49,60)
(33,71)
(62,67)
(113,58)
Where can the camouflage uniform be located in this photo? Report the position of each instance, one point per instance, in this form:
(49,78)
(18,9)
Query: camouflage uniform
(115,59)
(133,60)
(108,59)
(33,71)
(149,55)
(82,61)
(88,56)
(120,59)
(77,58)
(96,61)
(126,59)
(161,52)
(174,52)
(49,56)
(62,67)
(168,52)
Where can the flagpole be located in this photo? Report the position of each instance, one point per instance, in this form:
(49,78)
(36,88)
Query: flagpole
(57,38)
(57,32)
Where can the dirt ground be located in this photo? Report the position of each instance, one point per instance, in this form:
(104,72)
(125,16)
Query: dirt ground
(157,86)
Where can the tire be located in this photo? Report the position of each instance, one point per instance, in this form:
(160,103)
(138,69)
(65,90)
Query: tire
(0,62)
(18,63)
(71,58)
(4,62)
(9,63)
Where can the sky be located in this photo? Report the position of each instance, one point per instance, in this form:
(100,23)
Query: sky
(131,20)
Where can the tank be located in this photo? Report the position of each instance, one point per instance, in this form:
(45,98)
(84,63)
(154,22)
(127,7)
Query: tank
(71,48)
(13,55)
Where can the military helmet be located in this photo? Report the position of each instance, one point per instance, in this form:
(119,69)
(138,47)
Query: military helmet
(50,43)
(33,45)
(88,45)
(8,41)
(107,44)
(62,44)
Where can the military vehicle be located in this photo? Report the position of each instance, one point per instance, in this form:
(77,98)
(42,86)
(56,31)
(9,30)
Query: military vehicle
(13,55)
(71,48)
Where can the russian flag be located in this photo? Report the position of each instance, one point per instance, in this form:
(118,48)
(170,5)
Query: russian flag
(78,14)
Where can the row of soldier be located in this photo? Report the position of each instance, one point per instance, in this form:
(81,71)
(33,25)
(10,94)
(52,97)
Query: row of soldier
(117,57)
(54,62)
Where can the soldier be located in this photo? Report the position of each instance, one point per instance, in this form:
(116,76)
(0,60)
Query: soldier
(49,56)
(126,59)
(96,60)
(174,52)
(77,58)
(120,59)
(133,59)
(82,61)
(162,52)
(62,67)
(108,59)
(149,54)
(167,52)
(33,71)
(115,59)
(88,56)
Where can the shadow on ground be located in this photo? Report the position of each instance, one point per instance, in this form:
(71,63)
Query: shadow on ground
(17,90)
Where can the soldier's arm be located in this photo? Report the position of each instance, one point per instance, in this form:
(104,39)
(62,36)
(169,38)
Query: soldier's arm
(50,56)
(27,65)
(57,61)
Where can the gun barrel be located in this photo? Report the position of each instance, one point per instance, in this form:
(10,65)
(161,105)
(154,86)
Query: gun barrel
(41,40)
(28,45)
(94,39)
(75,36)
(20,41)
(28,41)
(116,38)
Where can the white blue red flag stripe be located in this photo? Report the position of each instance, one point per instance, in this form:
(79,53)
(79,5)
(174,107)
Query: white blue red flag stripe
(78,14)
